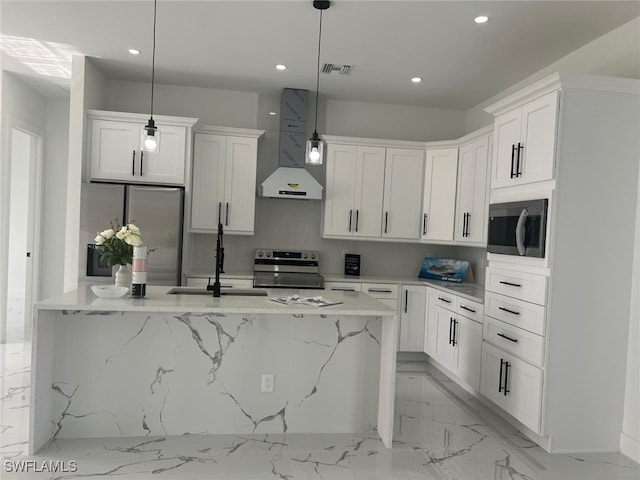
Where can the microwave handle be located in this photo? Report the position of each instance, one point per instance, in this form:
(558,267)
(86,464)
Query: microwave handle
(520,227)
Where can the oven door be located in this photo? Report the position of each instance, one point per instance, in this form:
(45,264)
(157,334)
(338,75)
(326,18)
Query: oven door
(518,228)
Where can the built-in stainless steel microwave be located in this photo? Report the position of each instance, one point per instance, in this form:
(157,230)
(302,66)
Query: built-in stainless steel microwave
(518,228)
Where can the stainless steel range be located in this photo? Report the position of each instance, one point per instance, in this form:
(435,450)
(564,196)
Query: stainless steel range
(287,269)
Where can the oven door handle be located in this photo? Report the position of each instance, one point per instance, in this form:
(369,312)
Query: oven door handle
(520,230)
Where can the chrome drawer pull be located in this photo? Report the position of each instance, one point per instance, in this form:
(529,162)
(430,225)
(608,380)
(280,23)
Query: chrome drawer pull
(467,309)
(444,300)
(510,284)
(379,290)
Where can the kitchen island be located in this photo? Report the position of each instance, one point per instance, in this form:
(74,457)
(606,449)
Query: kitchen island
(189,364)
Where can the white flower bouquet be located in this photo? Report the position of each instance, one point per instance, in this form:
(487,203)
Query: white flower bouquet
(118,243)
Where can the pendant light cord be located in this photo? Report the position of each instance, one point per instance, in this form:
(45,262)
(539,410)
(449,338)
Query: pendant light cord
(318,72)
(153,55)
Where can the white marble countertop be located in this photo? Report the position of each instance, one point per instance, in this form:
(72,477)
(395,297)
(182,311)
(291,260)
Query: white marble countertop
(157,300)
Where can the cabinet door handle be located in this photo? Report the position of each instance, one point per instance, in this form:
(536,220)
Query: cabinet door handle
(512,312)
(518,163)
(424,224)
(379,290)
(133,164)
(406,301)
(513,159)
(506,377)
(450,330)
(226,216)
(141,161)
(455,332)
(219,212)
(510,284)
(468,224)
(514,340)
(444,300)
(350,217)
(464,224)
(501,371)
(342,289)
(467,309)
(386,221)
(357,219)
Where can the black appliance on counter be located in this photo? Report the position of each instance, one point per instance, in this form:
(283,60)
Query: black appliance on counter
(518,228)
(287,269)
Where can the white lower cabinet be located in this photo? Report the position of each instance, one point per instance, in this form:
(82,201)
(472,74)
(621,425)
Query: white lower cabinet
(413,309)
(458,343)
(512,384)
(386,293)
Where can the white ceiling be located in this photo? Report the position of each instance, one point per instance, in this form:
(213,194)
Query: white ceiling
(234,45)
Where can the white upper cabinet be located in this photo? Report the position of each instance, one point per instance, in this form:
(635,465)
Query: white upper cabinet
(355,188)
(524,142)
(472,192)
(402,191)
(224,181)
(439,197)
(116,154)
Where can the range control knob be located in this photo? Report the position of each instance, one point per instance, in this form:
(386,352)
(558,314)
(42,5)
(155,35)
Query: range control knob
(268,254)
(260,253)
(305,255)
(313,256)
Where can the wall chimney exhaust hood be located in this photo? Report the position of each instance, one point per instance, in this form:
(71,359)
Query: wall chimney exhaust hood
(291,180)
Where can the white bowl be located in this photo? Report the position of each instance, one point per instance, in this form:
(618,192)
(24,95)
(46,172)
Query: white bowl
(109,291)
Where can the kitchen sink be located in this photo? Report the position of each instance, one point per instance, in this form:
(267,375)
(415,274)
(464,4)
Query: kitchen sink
(235,292)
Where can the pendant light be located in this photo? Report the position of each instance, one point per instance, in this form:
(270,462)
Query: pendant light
(315,146)
(151,142)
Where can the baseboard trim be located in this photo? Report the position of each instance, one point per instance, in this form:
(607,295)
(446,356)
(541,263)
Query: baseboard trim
(630,447)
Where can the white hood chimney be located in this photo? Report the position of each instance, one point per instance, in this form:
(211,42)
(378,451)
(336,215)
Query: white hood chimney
(291,180)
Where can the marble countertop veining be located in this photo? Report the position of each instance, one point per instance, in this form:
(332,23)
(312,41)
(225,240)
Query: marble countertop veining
(158,300)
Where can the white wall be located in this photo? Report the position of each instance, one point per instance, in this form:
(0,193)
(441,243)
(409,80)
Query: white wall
(87,91)
(615,54)
(56,156)
(399,122)
(630,436)
(23,103)
(213,107)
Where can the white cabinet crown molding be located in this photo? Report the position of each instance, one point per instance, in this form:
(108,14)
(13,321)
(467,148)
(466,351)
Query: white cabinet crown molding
(229,131)
(372,142)
(555,81)
(142,117)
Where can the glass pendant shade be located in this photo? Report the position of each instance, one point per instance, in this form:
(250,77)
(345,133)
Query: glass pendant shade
(314,150)
(150,142)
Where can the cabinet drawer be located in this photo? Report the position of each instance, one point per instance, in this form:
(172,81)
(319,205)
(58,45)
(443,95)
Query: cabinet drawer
(515,312)
(381,290)
(470,309)
(343,286)
(446,300)
(526,345)
(529,287)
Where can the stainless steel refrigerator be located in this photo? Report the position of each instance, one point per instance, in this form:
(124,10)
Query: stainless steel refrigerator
(157,211)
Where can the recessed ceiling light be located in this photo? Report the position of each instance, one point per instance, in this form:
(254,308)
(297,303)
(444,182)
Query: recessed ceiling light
(416,79)
(273,114)
(280,66)
(133,51)
(481,19)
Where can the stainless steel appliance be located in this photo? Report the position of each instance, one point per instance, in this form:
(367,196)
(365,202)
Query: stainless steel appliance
(518,228)
(157,211)
(287,269)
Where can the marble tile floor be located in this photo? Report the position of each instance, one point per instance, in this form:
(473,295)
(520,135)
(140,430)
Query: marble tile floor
(442,432)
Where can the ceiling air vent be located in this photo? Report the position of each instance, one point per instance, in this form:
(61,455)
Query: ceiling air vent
(333,69)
